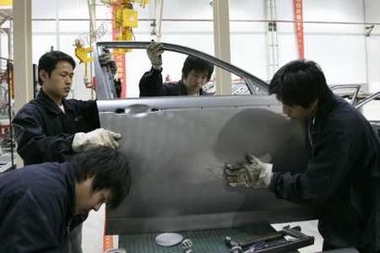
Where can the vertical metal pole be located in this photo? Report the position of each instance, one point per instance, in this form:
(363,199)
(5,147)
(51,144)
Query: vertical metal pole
(23,68)
(10,39)
(57,27)
(159,8)
(9,81)
(272,38)
(92,14)
(298,17)
(222,44)
(23,76)
(367,44)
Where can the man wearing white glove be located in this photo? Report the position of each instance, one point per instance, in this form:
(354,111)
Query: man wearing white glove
(106,60)
(51,128)
(252,174)
(154,52)
(341,178)
(195,73)
(108,63)
(99,137)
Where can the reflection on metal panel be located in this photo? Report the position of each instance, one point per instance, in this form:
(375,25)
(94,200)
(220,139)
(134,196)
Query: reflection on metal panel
(177,158)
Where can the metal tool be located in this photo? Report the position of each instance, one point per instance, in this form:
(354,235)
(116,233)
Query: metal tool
(234,246)
(274,242)
(236,249)
(186,245)
(120,250)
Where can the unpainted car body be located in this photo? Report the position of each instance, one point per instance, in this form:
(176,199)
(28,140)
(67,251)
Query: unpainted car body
(178,147)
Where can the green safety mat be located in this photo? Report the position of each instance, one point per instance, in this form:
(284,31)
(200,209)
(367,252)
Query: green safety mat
(204,241)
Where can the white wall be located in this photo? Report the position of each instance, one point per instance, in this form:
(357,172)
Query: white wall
(373,44)
(345,54)
(338,48)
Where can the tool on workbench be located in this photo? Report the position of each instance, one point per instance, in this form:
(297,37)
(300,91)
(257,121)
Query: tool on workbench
(272,243)
(168,239)
(187,245)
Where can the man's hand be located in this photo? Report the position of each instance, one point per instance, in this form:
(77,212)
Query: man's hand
(251,174)
(98,137)
(154,52)
(106,60)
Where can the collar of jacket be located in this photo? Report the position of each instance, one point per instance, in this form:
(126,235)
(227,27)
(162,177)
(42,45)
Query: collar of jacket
(325,106)
(71,180)
(183,90)
(72,218)
(49,104)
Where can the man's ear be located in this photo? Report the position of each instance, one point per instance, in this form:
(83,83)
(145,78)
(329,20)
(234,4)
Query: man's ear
(314,105)
(43,75)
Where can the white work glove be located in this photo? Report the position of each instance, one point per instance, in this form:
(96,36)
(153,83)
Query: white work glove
(154,52)
(251,174)
(106,60)
(99,137)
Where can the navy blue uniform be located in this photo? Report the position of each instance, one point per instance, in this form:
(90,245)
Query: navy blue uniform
(151,85)
(342,178)
(36,207)
(45,134)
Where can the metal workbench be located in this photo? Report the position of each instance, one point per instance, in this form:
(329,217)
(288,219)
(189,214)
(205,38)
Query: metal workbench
(210,240)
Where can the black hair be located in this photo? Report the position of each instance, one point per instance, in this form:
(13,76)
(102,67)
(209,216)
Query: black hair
(110,170)
(299,82)
(49,60)
(197,64)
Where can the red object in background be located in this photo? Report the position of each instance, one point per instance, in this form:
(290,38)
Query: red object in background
(298,16)
(119,59)
(121,73)
(4,129)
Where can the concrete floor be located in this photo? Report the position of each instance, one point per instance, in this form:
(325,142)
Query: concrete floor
(93,230)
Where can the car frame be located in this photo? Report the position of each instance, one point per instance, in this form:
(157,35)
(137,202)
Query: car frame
(178,147)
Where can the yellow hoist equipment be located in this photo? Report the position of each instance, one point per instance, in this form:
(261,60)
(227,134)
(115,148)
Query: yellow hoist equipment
(125,18)
(84,56)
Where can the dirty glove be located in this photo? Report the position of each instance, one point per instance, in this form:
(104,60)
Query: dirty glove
(251,174)
(99,137)
(154,51)
(106,60)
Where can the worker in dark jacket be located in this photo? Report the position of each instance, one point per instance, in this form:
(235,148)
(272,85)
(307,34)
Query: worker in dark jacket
(51,128)
(195,73)
(39,203)
(342,177)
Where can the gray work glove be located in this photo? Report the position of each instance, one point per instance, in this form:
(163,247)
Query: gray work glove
(154,52)
(250,174)
(98,137)
(106,60)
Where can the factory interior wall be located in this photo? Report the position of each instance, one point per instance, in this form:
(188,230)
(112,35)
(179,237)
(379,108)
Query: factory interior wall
(334,35)
(373,44)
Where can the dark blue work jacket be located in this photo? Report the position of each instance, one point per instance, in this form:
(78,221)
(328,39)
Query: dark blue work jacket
(342,177)
(36,207)
(151,85)
(44,133)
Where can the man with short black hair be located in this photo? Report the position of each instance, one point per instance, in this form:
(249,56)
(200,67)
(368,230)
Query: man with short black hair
(195,74)
(51,128)
(40,204)
(342,176)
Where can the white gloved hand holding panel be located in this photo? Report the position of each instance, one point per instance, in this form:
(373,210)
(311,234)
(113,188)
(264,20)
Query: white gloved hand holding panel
(98,137)
(154,52)
(106,60)
(251,174)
